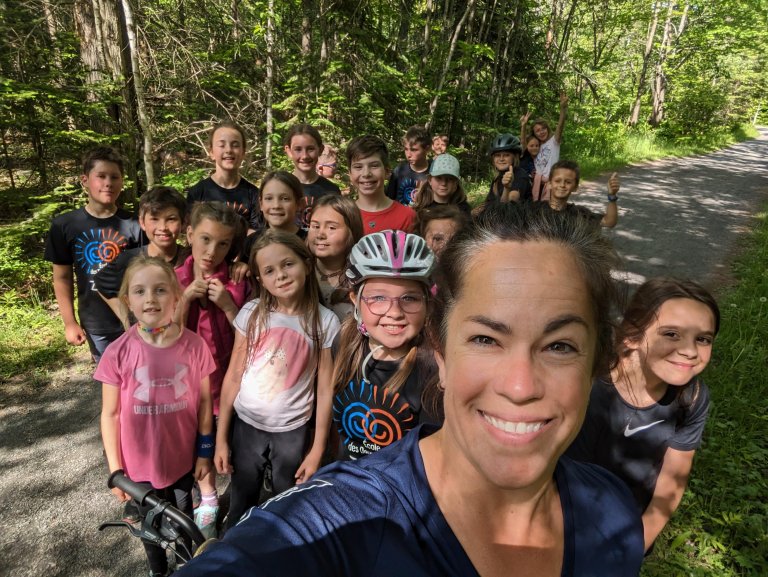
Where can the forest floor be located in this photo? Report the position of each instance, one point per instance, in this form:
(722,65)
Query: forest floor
(680,216)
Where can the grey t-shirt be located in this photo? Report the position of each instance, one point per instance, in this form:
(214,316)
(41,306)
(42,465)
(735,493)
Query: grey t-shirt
(631,442)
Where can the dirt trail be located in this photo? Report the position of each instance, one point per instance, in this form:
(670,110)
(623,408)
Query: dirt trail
(684,216)
(677,216)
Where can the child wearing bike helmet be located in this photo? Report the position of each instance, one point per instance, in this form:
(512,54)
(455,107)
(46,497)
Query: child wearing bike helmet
(384,372)
(512,183)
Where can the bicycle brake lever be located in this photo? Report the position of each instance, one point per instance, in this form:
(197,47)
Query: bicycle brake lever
(135,532)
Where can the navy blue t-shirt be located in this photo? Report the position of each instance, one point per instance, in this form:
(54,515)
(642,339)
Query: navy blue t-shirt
(377,516)
(403,181)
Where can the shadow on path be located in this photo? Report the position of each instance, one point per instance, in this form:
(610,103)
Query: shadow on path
(684,216)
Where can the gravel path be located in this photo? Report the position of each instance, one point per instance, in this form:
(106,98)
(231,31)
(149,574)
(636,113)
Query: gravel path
(679,217)
(684,216)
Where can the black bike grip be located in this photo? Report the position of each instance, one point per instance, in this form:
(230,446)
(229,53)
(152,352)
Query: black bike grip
(120,480)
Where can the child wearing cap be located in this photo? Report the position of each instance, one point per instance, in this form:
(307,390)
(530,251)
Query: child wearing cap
(443,186)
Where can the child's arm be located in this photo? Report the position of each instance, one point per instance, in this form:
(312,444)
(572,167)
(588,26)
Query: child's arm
(204,426)
(524,128)
(668,493)
(114,305)
(110,431)
(561,120)
(63,288)
(311,462)
(218,295)
(229,390)
(611,216)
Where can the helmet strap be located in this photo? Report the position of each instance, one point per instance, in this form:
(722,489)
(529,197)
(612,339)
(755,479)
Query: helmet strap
(367,358)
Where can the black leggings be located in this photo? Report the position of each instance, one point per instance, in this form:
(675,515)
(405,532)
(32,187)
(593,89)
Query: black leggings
(252,449)
(179,494)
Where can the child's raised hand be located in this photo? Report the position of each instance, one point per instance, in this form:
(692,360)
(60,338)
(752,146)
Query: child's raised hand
(613,184)
(506,180)
(221,459)
(524,118)
(218,295)
(238,271)
(563,100)
(203,466)
(74,334)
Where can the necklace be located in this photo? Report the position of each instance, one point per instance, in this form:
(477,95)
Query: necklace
(155,330)
(326,276)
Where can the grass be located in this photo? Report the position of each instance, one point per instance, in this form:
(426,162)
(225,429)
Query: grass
(32,340)
(613,146)
(721,527)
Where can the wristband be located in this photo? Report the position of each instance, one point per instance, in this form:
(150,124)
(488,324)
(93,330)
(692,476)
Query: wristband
(612,198)
(205,446)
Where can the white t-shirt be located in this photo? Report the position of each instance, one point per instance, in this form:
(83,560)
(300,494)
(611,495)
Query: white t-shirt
(277,392)
(549,154)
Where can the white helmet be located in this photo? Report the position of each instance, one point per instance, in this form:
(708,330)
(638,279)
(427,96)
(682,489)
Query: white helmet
(390,254)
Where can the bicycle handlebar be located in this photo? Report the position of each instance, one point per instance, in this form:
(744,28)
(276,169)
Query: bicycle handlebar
(145,497)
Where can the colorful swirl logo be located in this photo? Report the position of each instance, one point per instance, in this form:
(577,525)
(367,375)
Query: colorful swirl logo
(370,417)
(97,247)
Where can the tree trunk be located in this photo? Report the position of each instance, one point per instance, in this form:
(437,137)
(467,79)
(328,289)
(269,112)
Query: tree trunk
(235,10)
(270,40)
(91,46)
(425,42)
(447,66)
(669,38)
(634,116)
(141,107)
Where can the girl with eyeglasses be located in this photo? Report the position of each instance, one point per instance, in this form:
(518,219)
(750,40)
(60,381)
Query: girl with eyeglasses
(381,363)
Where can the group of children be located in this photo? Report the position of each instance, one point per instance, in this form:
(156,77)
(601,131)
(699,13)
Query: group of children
(292,327)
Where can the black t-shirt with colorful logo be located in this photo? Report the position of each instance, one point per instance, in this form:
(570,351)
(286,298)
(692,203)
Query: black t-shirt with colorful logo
(88,243)
(368,416)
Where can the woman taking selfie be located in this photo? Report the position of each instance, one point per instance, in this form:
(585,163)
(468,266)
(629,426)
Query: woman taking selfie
(524,330)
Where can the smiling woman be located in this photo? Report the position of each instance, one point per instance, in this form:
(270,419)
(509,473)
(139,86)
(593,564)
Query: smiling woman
(525,327)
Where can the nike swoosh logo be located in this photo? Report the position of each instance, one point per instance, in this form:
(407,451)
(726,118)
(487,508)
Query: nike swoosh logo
(629,432)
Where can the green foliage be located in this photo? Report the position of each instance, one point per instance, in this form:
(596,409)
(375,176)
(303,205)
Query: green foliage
(184,180)
(32,339)
(721,527)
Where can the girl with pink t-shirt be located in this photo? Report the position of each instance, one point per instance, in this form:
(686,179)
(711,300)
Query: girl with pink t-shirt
(156,416)
(282,353)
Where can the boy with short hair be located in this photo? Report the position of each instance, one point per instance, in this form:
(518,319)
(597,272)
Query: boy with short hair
(564,181)
(409,175)
(161,217)
(368,161)
(86,240)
